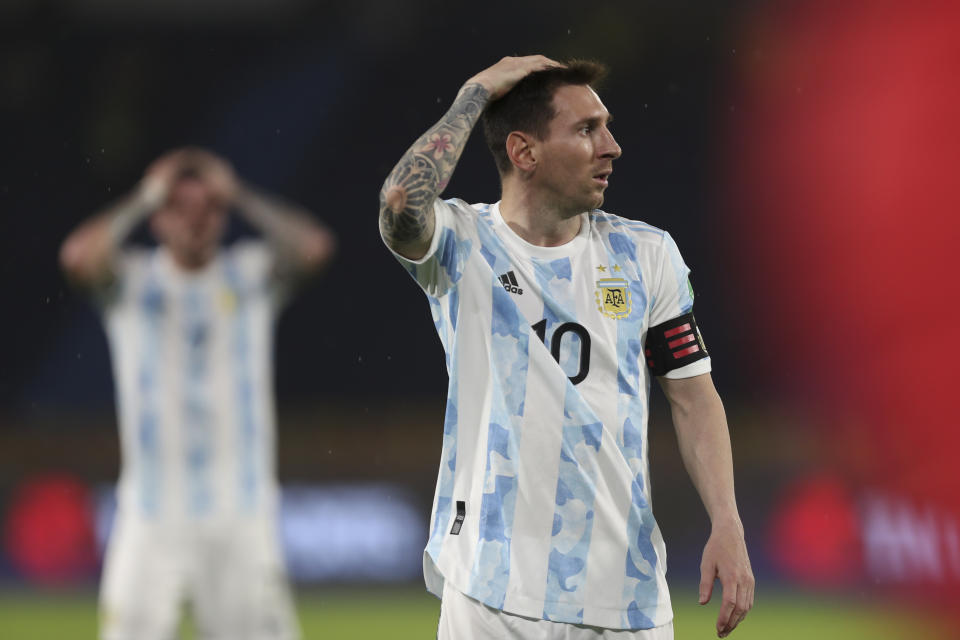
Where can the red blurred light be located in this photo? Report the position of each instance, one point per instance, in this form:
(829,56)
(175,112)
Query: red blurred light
(845,145)
(815,534)
(49,530)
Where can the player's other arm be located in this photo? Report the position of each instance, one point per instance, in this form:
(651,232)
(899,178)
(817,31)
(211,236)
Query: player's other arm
(88,252)
(303,245)
(704,439)
(407,196)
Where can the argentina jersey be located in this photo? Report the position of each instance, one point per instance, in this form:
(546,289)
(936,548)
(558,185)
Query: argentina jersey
(542,506)
(192,361)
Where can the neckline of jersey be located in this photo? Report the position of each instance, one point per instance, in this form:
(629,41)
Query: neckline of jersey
(566,250)
(178,274)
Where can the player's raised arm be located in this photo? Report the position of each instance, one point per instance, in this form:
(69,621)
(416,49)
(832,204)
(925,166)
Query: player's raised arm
(408,193)
(303,244)
(87,254)
(704,440)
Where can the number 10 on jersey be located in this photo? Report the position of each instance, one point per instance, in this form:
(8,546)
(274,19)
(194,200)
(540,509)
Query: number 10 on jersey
(556,342)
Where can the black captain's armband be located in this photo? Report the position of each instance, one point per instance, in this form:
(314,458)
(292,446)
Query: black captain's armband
(674,344)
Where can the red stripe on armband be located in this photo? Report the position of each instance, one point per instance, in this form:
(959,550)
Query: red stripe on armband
(686,352)
(673,344)
(676,330)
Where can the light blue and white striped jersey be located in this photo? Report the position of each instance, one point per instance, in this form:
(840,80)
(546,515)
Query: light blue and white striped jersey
(542,506)
(193,369)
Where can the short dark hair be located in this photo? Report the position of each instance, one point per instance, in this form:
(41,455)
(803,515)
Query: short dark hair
(528,107)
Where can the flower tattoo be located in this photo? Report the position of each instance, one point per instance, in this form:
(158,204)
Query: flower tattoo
(439,143)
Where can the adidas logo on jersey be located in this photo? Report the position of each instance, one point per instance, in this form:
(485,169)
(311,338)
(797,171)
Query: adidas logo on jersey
(510,283)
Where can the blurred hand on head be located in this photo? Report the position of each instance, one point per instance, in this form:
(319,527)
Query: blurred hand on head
(190,163)
(198,189)
(215,171)
(160,175)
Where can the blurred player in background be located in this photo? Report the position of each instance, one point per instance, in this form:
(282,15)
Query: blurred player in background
(190,330)
(555,316)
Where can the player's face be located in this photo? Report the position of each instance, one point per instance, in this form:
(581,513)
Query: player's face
(576,158)
(192,222)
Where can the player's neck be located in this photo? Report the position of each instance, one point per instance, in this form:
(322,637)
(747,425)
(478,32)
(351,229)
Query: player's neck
(191,263)
(536,221)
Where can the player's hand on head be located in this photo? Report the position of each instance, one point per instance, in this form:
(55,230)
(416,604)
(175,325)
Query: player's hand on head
(167,165)
(219,174)
(504,75)
(212,169)
(725,558)
(160,175)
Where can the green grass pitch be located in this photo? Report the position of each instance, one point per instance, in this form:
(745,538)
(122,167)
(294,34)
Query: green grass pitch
(404,613)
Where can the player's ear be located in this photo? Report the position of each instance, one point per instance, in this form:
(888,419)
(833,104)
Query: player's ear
(521,149)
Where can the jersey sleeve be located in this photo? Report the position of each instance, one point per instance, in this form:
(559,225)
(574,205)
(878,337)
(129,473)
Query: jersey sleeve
(673,333)
(128,265)
(441,267)
(255,263)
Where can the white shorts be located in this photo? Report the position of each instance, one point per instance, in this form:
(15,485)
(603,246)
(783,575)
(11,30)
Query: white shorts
(463,618)
(232,576)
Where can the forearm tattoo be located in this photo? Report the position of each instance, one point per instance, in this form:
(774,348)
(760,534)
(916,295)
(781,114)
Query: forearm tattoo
(406,199)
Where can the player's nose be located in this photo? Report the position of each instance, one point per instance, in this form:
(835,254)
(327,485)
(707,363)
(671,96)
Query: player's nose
(609,147)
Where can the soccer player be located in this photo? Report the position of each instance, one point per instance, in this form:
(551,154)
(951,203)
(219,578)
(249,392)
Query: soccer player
(189,325)
(554,316)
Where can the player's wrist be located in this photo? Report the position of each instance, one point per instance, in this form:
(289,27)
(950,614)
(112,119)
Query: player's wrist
(151,192)
(727,522)
(481,81)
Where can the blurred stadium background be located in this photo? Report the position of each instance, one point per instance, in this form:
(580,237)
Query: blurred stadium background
(804,155)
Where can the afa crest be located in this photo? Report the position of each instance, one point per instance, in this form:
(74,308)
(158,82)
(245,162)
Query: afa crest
(613,297)
(227,300)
